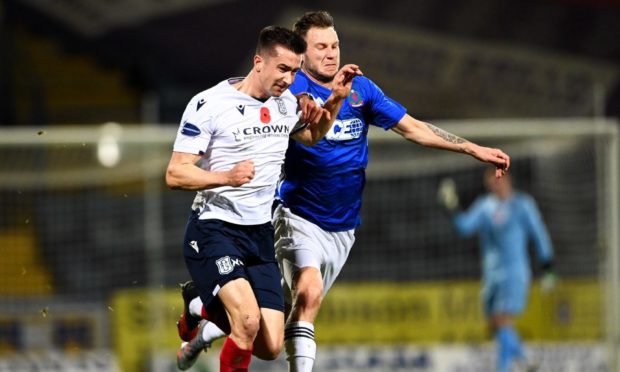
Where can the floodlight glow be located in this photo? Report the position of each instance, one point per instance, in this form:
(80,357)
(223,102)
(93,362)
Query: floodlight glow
(108,150)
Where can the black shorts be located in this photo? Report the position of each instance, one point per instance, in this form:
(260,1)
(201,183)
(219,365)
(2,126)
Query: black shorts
(217,252)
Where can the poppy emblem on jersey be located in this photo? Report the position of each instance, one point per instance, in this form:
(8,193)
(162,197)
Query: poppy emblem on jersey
(200,104)
(190,129)
(281,105)
(226,265)
(355,99)
(265,115)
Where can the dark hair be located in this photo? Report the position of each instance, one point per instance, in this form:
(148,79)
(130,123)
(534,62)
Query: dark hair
(271,36)
(318,19)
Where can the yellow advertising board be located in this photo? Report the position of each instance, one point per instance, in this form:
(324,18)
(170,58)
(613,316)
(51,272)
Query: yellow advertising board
(378,313)
(445,312)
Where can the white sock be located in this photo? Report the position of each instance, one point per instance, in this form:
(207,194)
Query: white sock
(211,332)
(195,307)
(300,346)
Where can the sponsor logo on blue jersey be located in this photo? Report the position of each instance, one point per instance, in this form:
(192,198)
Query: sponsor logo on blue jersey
(190,129)
(344,130)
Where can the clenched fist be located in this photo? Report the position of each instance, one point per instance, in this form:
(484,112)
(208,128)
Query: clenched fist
(242,173)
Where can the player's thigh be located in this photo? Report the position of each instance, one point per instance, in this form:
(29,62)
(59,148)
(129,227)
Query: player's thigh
(308,277)
(301,244)
(294,246)
(238,298)
(270,338)
(337,253)
(265,279)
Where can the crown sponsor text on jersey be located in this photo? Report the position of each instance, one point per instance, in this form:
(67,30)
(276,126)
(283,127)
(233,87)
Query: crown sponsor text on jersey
(266,129)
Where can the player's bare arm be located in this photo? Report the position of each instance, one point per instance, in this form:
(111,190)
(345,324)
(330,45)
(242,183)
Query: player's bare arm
(183,173)
(341,88)
(429,135)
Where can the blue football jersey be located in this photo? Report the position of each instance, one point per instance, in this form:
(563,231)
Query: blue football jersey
(324,183)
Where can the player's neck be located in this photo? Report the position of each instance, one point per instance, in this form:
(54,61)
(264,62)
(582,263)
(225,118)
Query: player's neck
(325,84)
(251,86)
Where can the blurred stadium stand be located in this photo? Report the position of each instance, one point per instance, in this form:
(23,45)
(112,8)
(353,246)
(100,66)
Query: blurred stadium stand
(173,49)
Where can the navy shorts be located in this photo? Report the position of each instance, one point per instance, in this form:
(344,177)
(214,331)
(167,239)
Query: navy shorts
(217,252)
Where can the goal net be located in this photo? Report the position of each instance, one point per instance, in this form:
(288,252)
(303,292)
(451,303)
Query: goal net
(85,215)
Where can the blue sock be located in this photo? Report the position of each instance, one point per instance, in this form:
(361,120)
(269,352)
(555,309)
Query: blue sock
(508,347)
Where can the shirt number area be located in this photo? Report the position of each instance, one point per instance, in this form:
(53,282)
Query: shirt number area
(344,130)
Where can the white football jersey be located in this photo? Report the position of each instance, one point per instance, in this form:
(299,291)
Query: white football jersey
(227,126)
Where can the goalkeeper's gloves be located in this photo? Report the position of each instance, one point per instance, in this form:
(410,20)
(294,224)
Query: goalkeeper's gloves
(447,196)
(548,279)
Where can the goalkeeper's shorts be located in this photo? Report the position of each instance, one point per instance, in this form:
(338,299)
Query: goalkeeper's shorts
(507,296)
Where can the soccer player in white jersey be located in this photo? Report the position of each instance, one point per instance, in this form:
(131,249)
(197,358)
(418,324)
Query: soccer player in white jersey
(320,196)
(230,148)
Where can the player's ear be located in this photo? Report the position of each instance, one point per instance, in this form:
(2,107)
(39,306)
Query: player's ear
(258,62)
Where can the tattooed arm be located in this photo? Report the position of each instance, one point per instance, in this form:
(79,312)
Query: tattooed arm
(429,135)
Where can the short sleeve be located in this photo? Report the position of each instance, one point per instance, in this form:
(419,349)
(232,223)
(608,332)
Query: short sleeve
(195,129)
(385,112)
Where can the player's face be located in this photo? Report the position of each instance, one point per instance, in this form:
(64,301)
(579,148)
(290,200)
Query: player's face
(322,58)
(502,187)
(277,70)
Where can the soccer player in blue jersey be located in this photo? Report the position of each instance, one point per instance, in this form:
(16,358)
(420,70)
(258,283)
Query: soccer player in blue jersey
(320,195)
(505,220)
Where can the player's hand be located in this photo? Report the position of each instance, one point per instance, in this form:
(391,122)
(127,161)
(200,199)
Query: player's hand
(446,194)
(311,112)
(242,173)
(494,156)
(344,79)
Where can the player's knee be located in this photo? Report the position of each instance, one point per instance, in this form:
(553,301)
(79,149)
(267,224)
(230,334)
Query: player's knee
(310,297)
(246,324)
(271,351)
(268,345)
